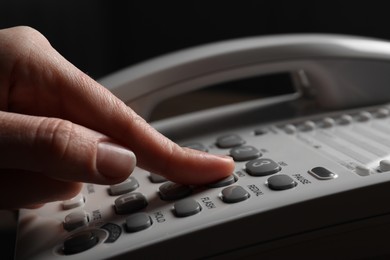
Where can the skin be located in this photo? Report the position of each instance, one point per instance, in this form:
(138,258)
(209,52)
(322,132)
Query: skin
(54,118)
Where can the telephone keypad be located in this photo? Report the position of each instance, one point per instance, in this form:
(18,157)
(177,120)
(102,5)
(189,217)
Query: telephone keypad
(249,187)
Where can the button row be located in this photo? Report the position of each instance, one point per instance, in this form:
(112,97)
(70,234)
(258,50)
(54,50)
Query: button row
(140,221)
(132,202)
(188,207)
(328,122)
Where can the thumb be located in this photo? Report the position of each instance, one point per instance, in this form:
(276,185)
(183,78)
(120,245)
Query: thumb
(62,150)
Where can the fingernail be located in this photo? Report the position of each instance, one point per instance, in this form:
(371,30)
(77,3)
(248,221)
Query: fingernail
(223,156)
(114,161)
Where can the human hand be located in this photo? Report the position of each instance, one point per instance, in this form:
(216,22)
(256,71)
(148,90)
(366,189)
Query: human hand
(58,128)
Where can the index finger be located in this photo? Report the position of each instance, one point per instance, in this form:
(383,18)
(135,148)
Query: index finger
(47,84)
(154,152)
(103,112)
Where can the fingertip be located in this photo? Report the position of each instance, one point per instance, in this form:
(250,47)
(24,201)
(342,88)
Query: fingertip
(223,166)
(35,206)
(199,168)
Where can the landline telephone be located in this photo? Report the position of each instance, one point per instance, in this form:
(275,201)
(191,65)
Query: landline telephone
(311,166)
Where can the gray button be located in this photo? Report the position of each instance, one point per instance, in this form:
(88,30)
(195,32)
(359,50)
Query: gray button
(262,167)
(196,146)
(224,182)
(229,141)
(384,165)
(364,116)
(126,186)
(186,207)
(281,182)
(137,222)
(114,232)
(382,113)
(345,120)
(155,178)
(328,122)
(260,131)
(174,191)
(290,129)
(75,220)
(322,173)
(308,126)
(362,170)
(244,153)
(234,194)
(80,242)
(75,202)
(130,203)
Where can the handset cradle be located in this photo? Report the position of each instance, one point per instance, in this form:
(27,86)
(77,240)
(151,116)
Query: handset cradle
(344,71)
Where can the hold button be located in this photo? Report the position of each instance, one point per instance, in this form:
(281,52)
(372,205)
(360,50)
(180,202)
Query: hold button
(322,173)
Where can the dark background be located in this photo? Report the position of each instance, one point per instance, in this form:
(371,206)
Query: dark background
(103,36)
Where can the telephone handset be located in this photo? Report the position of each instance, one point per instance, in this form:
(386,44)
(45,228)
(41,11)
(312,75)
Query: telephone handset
(342,69)
(310,181)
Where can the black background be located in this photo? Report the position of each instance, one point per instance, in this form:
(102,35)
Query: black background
(103,36)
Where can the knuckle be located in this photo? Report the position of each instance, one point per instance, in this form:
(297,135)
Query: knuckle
(57,135)
(28,34)
(171,151)
(22,41)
